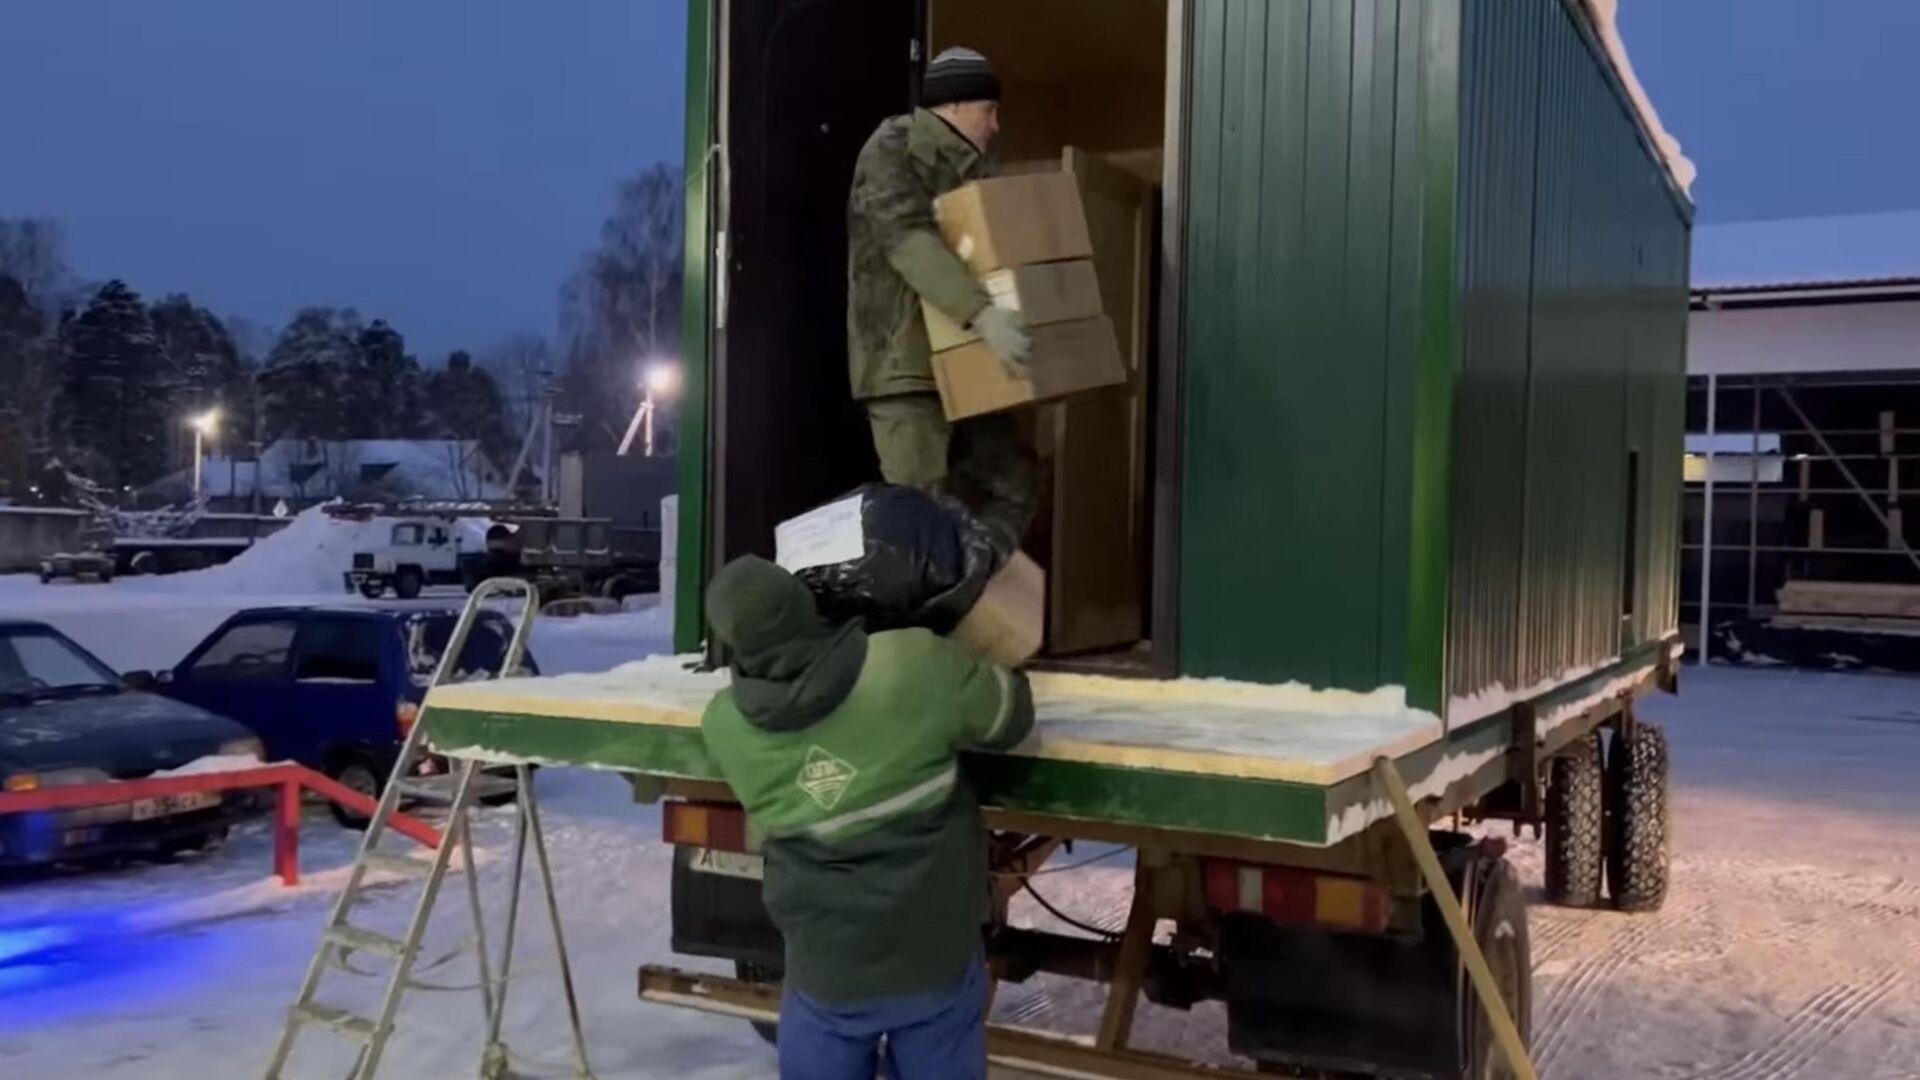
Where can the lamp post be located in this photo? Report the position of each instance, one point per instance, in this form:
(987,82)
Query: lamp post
(662,381)
(203,426)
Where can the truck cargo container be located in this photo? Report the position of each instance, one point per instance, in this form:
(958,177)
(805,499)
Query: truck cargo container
(1393,490)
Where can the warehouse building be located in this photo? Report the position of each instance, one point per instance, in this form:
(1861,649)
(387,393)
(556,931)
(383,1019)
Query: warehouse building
(1803,420)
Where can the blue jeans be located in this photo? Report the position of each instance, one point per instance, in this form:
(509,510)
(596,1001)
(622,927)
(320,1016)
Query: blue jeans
(940,1035)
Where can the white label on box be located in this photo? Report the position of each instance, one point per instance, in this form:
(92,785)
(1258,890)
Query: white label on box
(821,537)
(964,248)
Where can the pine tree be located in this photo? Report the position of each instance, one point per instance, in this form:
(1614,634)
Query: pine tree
(465,404)
(384,388)
(303,382)
(114,392)
(205,366)
(22,372)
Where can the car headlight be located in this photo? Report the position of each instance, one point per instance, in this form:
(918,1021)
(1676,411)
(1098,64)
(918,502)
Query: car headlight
(247,747)
(52,778)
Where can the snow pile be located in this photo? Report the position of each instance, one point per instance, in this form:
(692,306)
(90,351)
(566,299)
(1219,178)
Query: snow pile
(308,556)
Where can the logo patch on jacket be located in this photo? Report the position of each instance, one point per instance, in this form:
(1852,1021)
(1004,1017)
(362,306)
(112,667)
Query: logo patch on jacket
(825,778)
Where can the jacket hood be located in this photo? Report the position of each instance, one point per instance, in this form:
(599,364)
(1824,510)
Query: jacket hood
(790,668)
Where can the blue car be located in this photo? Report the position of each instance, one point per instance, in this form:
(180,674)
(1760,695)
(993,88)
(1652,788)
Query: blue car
(333,688)
(66,719)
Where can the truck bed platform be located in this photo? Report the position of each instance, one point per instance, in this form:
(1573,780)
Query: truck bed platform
(1261,763)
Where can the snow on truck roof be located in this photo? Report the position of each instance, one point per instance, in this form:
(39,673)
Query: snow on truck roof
(1605,16)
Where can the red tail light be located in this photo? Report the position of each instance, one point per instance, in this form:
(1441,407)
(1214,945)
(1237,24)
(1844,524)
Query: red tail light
(404,714)
(1300,897)
(715,826)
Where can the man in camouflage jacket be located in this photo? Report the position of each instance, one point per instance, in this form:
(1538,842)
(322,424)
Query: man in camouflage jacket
(895,259)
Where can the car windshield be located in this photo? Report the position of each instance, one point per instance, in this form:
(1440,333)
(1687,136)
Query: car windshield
(36,664)
(427,639)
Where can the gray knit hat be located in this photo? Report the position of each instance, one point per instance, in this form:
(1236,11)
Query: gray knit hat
(958,74)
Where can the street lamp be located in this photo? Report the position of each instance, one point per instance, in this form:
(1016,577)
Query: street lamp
(662,380)
(203,427)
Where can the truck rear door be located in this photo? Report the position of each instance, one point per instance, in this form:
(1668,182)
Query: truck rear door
(807,81)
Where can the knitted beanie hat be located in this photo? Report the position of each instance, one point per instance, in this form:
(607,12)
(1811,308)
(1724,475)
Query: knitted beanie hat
(958,74)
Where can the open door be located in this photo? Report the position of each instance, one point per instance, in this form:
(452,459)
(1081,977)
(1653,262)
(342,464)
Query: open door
(806,83)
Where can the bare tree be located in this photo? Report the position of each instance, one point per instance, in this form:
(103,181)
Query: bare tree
(520,366)
(621,309)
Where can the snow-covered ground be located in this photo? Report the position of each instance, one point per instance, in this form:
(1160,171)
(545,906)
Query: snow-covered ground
(1790,946)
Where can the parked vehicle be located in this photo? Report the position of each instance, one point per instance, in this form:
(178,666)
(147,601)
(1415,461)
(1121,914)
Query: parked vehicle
(97,565)
(572,557)
(67,719)
(418,552)
(335,689)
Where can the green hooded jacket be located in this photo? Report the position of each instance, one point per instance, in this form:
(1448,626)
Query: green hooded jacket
(896,256)
(844,749)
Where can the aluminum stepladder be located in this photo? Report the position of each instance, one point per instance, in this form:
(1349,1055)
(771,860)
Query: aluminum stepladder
(341,937)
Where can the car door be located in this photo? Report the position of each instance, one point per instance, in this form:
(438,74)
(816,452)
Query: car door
(342,698)
(243,672)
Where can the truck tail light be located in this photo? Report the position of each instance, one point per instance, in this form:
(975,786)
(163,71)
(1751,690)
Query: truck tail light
(404,715)
(1298,897)
(715,826)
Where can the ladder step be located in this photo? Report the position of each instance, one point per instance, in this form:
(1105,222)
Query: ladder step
(402,865)
(358,940)
(340,1020)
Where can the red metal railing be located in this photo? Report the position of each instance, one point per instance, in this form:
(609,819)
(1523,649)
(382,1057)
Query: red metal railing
(290,779)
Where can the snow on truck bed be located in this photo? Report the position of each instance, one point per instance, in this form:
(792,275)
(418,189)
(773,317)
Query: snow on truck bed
(1283,733)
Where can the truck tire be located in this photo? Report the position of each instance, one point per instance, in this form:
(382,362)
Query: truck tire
(408,582)
(1498,910)
(1576,824)
(1638,854)
(373,590)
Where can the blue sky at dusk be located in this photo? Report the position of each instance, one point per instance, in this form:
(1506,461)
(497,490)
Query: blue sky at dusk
(444,163)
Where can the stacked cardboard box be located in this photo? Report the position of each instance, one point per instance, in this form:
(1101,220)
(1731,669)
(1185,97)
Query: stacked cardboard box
(1026,238)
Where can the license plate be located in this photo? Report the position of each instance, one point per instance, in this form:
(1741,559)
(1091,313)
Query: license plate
(169,805)
(731,864)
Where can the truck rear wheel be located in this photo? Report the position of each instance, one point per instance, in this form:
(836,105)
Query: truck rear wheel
(408,583)
(1576,824)
(1638,854)
(1499,912)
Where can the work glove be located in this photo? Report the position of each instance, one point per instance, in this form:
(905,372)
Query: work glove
(1005,332)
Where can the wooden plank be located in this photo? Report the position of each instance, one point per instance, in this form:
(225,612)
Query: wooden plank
(1857,624)
(1872,598)
(1816,528)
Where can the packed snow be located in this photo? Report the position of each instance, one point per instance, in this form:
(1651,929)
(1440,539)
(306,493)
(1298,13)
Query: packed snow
(1790,946)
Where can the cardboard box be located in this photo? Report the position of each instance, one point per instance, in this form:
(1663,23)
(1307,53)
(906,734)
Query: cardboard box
(1008,621)
(1042,293)
(1068,357)
(1015,220)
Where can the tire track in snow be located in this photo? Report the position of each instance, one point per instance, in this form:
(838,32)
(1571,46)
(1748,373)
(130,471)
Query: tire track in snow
(1576,997)
(1809,1030)
(1554,934)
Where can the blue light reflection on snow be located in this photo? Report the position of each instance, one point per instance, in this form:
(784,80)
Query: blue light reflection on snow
(102,951)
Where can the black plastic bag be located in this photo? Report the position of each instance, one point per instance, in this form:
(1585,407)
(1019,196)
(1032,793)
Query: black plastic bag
(922,560)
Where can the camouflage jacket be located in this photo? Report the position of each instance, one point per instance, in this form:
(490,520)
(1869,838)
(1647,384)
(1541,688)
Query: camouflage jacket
(895,256)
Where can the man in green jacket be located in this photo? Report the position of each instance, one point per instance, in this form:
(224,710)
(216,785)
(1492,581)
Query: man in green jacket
(844,749)
(895,259)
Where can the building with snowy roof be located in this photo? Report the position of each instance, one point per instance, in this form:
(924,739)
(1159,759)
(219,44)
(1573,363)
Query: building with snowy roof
(303,472)
(1803,419)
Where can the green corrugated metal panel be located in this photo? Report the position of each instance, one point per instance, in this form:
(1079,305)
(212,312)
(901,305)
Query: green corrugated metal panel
(1308,173)
(691,582)
(1573,290)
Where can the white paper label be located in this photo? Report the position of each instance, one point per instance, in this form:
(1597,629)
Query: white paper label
(964,248)
(821,537)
